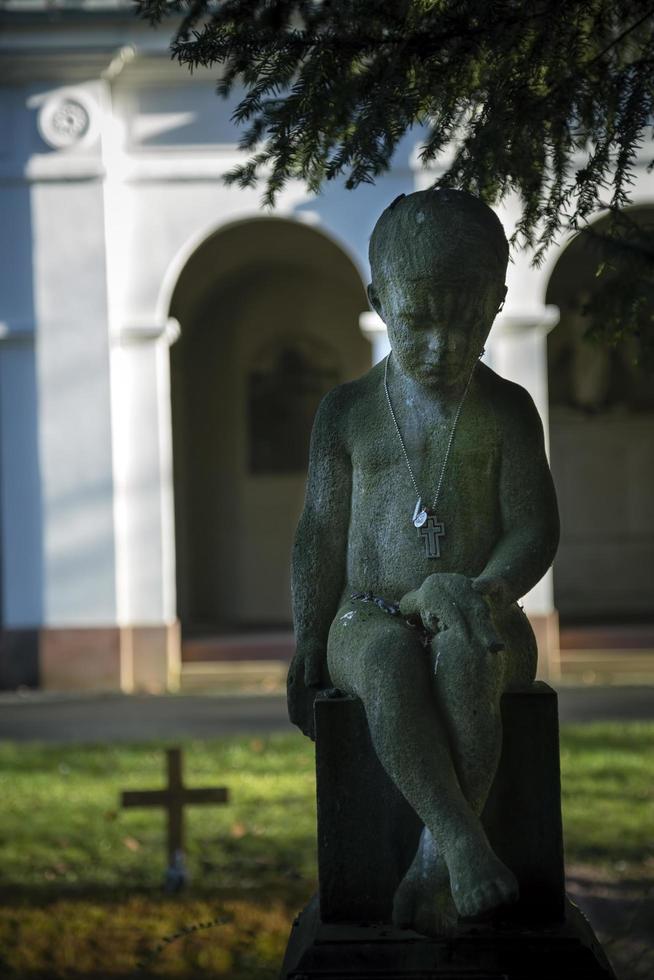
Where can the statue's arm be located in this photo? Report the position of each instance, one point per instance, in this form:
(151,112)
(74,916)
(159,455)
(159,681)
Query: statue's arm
(320,547)
(529,512)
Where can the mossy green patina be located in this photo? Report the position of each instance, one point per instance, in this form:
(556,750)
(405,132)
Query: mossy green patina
(438,262)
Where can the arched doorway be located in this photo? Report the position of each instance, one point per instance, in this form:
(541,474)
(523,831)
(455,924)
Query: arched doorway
(602,452)
(269,323)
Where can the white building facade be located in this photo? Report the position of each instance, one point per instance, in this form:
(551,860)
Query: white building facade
(163,343)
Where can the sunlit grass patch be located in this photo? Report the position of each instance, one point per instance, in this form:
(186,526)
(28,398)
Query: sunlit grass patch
(62,826)
(607,773)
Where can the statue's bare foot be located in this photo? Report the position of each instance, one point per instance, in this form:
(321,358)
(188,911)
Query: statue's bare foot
(479,881)
(417,906)
(422,901)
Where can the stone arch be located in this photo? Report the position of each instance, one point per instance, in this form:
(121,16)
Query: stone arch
(186,254)
(268,310)
(602,451)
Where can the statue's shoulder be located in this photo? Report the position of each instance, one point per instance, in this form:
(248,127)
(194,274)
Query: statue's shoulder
(345,405)
(512,404)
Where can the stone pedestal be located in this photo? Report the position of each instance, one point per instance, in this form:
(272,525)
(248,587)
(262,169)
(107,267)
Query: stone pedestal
(367,836)
(501,952)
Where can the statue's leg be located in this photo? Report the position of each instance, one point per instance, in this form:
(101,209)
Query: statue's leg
(469,706)
(468,685)
(469,682)
(466,678)
(377,658)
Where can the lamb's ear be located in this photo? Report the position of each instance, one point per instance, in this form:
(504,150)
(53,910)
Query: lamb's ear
(409,604)
(490,640)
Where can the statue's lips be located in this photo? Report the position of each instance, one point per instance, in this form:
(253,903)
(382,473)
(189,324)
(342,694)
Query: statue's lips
(438,367)
(441,372)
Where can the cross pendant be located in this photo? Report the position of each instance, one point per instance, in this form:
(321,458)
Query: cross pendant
(431,532)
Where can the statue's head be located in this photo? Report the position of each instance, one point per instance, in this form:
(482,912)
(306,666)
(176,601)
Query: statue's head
(438,261)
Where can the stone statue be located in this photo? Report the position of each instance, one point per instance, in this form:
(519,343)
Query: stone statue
(429,511)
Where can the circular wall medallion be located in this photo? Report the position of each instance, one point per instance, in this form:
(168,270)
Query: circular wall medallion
(64,120)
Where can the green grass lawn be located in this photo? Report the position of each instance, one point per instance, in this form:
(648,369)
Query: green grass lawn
(80,879)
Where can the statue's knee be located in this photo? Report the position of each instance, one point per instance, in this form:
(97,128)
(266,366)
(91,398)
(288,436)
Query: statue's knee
(395,662)
(369,650)
(346,629)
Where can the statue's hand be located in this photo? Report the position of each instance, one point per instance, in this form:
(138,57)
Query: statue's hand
(305,677)
(493,588)
(441,601)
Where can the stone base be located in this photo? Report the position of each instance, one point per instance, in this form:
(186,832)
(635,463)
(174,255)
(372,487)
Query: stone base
(342,951)
(368,833)
(155,654)
(127,659)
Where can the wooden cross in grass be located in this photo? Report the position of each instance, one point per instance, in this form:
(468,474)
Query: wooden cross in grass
(174,798)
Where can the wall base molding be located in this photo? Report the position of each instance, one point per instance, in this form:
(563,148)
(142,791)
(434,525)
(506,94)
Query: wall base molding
(110,658)
(147,658)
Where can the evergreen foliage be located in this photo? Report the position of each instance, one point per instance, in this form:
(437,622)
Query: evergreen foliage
(550,99)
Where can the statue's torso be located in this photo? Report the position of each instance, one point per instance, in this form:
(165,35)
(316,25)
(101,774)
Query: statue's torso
(386,553)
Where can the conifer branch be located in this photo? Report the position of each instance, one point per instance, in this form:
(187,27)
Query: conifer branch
(550,100)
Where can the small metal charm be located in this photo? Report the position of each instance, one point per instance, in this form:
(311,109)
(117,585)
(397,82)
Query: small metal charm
(420,514)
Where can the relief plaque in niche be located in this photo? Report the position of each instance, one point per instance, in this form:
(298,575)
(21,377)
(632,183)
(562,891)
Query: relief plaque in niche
(68,118)
(285,384)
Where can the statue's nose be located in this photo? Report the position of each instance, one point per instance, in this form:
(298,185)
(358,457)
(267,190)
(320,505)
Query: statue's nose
(435,346)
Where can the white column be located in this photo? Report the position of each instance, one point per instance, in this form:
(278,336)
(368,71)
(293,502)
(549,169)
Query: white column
(74,404)
(144,507)
(143,474)
(517,350)
(373,329)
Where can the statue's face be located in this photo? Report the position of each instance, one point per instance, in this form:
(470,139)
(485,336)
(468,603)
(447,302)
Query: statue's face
(437,326)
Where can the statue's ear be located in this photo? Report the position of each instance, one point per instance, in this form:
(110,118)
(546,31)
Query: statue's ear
(373,299)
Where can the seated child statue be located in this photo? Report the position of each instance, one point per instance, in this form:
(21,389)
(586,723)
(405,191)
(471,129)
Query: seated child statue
(429,512)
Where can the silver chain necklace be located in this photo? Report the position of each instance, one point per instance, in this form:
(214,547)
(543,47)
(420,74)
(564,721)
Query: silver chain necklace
(424,519)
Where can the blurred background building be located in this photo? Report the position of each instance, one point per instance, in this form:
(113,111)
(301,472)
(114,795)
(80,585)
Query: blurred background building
(164,344)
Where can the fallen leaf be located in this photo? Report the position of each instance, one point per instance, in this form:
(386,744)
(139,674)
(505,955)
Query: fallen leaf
(238,830)
(132,844)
